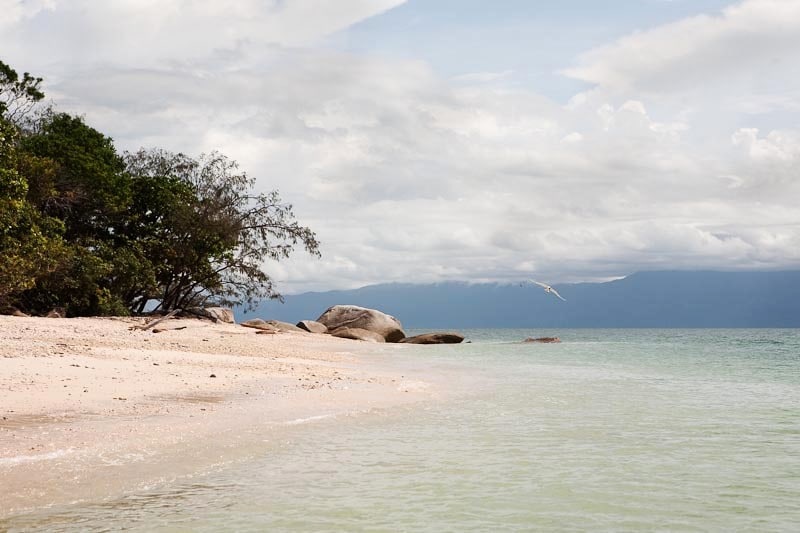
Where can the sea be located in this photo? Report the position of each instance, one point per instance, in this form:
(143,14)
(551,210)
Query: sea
(609,430)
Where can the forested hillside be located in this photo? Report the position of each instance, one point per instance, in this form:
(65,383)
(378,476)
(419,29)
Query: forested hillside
(643,300)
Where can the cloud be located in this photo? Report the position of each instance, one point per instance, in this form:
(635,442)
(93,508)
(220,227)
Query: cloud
(742,41)
(146,33)
(407,178)
(483,77)
(766,166)
(407,175)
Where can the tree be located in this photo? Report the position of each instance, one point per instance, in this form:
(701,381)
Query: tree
(17,96)
(30,245)
(96,233)
(83,180)
(207,233)
(76,176)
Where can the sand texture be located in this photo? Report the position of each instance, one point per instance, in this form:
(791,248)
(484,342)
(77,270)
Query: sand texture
(91,407)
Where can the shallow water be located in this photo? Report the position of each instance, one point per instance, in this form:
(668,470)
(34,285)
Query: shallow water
(690,430)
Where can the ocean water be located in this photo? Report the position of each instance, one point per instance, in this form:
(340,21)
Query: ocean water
(611,430)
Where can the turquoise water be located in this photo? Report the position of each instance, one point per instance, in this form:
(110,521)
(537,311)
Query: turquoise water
(687,430)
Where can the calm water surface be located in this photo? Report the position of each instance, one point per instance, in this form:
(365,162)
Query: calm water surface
(689,430)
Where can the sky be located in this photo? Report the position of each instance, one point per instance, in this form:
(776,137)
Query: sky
(433,140)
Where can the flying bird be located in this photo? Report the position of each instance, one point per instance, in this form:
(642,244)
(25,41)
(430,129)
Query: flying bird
(547,288)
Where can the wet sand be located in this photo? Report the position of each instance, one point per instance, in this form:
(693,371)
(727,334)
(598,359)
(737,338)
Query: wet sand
(91,408)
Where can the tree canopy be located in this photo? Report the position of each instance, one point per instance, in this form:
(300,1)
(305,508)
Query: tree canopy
(17,96)
(96,232)
(30,244)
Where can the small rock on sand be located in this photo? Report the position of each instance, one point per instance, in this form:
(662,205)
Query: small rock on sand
(312,326)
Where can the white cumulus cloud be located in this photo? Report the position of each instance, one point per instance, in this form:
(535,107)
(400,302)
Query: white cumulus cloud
(408,175)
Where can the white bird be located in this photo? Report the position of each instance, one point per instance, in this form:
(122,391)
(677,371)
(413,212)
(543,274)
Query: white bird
(547,288)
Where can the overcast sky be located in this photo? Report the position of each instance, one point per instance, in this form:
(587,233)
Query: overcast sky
(478,140)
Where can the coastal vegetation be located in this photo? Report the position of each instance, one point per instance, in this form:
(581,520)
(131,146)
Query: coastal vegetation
(94,231)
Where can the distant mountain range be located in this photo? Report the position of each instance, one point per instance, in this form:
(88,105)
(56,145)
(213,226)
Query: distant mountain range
(648,299)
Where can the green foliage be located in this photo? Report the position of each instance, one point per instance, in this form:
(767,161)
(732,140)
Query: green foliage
(40,173)
(85,229)
(80,177)
(29,243)
(82,285)
(17,96)
(208,235)
(76,176)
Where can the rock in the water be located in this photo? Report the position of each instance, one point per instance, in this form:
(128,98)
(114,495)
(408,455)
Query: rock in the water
(353,316)
(312,326)
(358,334)
(543,339)
(438,337)
(217,314)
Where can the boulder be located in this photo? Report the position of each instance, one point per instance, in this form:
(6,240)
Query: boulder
(438,337)
(284,326)
(353,316)
(312,326)
(257,323)
(358,334)
(545,340)
(217,314)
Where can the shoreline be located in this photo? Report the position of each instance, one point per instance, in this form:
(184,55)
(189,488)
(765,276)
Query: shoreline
(90,409)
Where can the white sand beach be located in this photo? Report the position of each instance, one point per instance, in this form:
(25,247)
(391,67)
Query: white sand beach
(90,407)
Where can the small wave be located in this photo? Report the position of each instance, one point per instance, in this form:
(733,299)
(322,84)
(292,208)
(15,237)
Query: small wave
(298,421)
(21,459)
(125,458)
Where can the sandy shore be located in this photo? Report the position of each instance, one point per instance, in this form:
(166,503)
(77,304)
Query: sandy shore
(90,408)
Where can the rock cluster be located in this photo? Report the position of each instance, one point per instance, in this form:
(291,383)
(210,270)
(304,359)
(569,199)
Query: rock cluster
(358,323)
(353,316)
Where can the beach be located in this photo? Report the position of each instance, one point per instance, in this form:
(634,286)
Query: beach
(93,407)
(610,430)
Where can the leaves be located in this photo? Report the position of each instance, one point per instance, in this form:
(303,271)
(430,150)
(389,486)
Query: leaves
(30,244)
(84,228)
(213,234)
(17,96)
